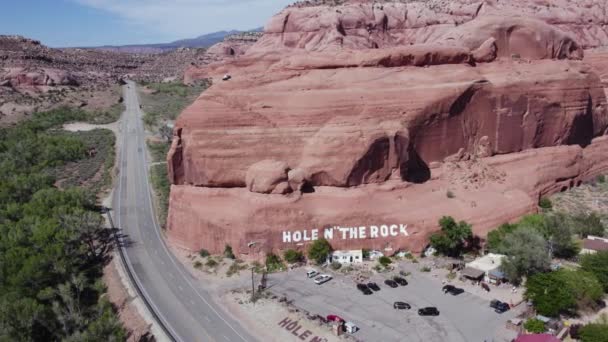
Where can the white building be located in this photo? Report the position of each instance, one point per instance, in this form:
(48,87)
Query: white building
(347,257)
(593,244)
(489,263)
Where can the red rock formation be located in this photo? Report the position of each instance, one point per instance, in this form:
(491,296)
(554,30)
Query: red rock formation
(363,24)
(35,77)
(334,106)
(408,116)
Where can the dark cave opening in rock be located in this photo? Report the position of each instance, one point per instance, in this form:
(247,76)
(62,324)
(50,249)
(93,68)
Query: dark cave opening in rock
(416,170)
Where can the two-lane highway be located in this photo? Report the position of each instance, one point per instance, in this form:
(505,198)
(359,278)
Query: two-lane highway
(180,303)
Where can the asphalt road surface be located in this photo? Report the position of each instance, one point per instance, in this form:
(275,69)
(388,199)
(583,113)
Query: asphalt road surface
(183,306)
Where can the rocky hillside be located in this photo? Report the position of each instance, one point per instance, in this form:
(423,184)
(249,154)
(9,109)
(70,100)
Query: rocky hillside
(35,77)
(357,113)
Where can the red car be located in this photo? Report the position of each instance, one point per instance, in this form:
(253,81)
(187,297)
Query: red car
(335,318)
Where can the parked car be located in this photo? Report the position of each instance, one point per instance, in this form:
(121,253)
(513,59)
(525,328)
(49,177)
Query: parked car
(498,306)
(391,283)
(312,273)
(453,290)
(456,291)
(373,286)
(400,281)
(428,311)
(448,288)
(335,318)
(323,278)
(363,288)
(401,306)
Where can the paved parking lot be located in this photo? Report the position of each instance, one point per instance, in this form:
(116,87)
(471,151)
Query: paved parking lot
(463,318)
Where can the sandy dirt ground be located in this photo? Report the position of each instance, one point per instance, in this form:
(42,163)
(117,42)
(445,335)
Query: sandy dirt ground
(261,318)
(127,311)
(83,126)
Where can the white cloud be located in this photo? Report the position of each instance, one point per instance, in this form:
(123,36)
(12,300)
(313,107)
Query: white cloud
(189,18)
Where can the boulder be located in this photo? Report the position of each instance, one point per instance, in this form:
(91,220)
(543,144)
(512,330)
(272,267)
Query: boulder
(486,52)
(266,175)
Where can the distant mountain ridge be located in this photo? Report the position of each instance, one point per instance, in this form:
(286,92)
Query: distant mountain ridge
(202,41)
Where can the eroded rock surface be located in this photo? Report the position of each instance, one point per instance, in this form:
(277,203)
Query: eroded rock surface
(375,110)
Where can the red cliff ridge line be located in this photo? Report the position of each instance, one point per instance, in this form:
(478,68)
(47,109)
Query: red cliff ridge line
(363,115)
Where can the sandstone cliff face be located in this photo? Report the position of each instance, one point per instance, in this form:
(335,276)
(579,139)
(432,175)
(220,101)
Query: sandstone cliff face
(365,24)
(347,138)
(365,114)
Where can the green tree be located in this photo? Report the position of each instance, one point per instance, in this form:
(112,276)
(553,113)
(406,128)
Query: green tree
(563,291)
(588,224)
(228,253)
(385,261)
(292,256)
(452,239)
(597,264)
(319,250)
(594,332)
(557,230)
(274,263)
(495,237)
(534,325)
(549,294)
(526,253)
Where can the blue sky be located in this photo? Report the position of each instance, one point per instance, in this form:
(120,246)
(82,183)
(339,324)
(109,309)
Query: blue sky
(62,23)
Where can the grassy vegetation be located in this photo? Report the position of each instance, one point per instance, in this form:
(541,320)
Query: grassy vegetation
(165,101)
(102,117)
(53,244)
(160,183)
(235,268)
(94,172)
(158,150)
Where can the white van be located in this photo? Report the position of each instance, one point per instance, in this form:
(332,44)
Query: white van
(311,273)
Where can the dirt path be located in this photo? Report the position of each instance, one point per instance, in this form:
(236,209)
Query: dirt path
(83,126)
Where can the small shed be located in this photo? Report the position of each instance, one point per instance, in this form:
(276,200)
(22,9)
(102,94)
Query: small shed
(472,273)
(496,277)
(347,257)
(594,244)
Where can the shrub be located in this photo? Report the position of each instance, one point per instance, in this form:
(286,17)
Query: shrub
(450,194)
(211,263)
(203,253)
(228,252)
(534,325)
(545,203)
(595,332)
(385,261)
(365,253)
(274,263)
(235,268)
(425,269)
(597,264)
(292,256)
(601,179)
(588,224)
(562,291)
(198,264)
(335,265)
(452,238)
(257,267)
(319,250)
